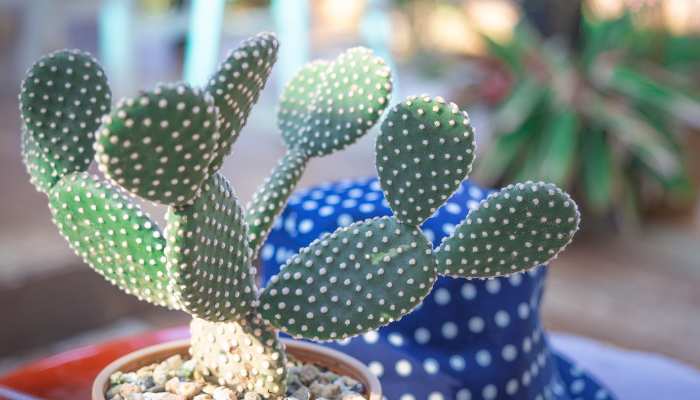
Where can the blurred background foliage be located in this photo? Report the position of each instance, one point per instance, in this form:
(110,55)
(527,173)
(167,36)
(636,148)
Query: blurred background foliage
(604,111)
(600,97)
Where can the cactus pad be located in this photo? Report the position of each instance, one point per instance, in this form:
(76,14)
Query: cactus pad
(356,279)
(521,226)
(41,172)
(208,254)
(424,151)
(352,94)
(296,100)
(159,145)
(269,200)
(112,235)
(245,355)
(62,99)
(237,84)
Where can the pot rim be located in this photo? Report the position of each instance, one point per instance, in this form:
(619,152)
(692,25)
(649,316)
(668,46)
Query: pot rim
(334,360)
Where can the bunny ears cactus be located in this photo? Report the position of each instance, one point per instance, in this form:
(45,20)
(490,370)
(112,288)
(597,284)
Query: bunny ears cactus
(517,228)
(160,144)
(166,146)
(237,84)
(329,105)
(113,235)
(208,256)
(424,152)
(62,99)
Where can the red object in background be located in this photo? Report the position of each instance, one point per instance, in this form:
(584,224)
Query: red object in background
(496,85)
(69,375)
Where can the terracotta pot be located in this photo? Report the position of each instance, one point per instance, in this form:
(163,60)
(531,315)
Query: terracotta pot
(335,361)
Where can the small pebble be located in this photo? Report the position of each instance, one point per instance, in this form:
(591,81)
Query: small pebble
(145,382)
(172,384)
(162,396)
(302,394)
(160,374)
(308,373)
(125,389)
(129,377)
(351,396)
(222,393)
(252,396)
(209,388)
(327,390)
(115,378)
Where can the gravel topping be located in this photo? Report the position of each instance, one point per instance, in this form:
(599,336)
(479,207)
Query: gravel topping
(176,379)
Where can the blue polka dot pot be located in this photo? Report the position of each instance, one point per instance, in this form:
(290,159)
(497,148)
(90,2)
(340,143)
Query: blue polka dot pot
(469,340)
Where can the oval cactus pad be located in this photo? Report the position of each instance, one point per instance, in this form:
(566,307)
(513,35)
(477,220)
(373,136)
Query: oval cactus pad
(352,93)
(354,280)
(208,254)
(62,100)
(112,235)
(517,228)
(237,84)
(423,153)
(296,100)
(159,145)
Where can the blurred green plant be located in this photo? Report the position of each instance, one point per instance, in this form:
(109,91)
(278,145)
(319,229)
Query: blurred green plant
(604,118)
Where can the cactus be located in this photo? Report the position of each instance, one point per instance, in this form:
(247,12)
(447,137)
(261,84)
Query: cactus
(324,108)
(42,173)
(298,96)
(359,277)
(208,256)
(271,197)
(167,145)
(62,99)
(113,235)
(245,355)
(236,86)
(425,150)
(159,145)
(517,228)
